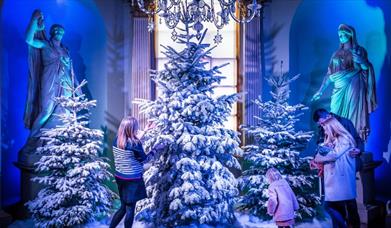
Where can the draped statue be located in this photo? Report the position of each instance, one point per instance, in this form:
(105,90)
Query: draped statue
(354,92)
(50,68)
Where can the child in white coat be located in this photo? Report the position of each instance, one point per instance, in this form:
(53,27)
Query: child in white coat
(282,202)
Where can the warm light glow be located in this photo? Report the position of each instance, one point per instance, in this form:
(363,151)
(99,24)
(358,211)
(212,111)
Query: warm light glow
(225,52)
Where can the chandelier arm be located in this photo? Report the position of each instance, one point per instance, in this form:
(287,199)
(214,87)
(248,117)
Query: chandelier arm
(206,8)
(185,16)
(218,26)
(173,25)
(172,4)
(212,11)
(171,20)
(245,20)
(141,6)
(230,2)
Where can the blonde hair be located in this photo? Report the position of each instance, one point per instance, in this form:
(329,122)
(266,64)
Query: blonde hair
(334,130)
(127,132)
(272,174)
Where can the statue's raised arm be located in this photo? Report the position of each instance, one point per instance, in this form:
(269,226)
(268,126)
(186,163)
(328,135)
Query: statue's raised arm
(35,33)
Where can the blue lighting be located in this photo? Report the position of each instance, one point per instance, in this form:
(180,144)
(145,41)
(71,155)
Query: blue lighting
(85,37)
(313,39)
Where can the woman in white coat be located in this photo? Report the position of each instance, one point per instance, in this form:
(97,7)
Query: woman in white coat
(339,174)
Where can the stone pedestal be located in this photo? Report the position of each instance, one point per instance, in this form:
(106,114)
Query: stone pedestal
(388,214)
(5,219)
(366,204)
(29,189)
(388,221)
(27,157)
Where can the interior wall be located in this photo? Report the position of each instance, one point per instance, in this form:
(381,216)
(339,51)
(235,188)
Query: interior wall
(277,21)
(118,21)
(1,109)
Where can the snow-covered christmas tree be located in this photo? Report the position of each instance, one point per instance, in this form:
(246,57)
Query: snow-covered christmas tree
(276,143)
(189,182)
(72,172)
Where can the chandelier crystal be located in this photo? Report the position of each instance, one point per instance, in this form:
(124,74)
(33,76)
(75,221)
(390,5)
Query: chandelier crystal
(194,13)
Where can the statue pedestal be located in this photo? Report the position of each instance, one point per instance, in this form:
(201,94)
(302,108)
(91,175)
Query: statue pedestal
(29,189)
(388,221)
(368,209)
(5,219)
(27,157)
(369,212)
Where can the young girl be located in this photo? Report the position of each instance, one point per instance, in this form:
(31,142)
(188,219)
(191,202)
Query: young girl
(282,202)
(128,157)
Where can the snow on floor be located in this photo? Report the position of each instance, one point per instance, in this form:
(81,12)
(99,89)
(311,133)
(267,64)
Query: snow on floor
(248,221)
(244,221)
(98,224)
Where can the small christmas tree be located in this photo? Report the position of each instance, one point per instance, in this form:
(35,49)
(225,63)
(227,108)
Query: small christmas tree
(278,144)
(71,170)
(189,182)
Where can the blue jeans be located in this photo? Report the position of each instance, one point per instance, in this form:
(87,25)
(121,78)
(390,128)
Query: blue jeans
(127,209)
(343,212)
(337,212)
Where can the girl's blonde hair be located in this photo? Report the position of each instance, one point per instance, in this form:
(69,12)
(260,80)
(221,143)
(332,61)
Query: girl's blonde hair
(334,131)
(272,174)
(127,131)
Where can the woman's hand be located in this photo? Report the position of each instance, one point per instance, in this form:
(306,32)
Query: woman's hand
(150,125)
(314,164)
(318,166)
(329,144)
(355,152)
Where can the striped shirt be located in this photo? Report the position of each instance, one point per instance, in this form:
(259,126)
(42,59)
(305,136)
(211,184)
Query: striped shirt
(128,162)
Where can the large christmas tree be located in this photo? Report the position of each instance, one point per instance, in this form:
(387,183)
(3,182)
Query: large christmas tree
(276,143)
(71,170)
(189,182)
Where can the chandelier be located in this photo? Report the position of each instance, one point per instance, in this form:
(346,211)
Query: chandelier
(194,13)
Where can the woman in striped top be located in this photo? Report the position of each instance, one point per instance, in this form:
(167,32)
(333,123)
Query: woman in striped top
(128,157)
